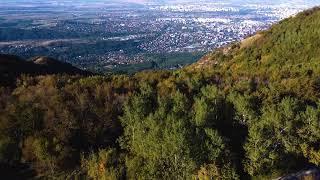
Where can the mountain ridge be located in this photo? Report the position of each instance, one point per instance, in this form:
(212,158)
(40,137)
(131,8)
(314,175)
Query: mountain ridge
(287,52)
(251,110)
(12,67)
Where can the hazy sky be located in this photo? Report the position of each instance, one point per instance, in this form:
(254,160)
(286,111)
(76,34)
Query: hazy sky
(172,1)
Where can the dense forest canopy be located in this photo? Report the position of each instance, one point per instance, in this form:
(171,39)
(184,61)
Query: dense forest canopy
(247,111)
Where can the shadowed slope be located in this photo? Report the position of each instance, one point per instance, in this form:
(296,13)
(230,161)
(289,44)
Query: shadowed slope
(12,67)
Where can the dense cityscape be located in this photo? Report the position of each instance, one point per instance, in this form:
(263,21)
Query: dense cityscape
(104,36)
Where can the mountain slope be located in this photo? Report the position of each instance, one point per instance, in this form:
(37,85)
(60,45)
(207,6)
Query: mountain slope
(288,53)
(247,111)
(12,66)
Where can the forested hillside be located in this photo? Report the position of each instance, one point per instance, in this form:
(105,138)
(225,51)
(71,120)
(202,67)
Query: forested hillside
(12,67)
(247,111)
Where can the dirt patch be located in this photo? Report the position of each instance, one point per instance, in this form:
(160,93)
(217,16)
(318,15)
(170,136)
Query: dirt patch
(249,41)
